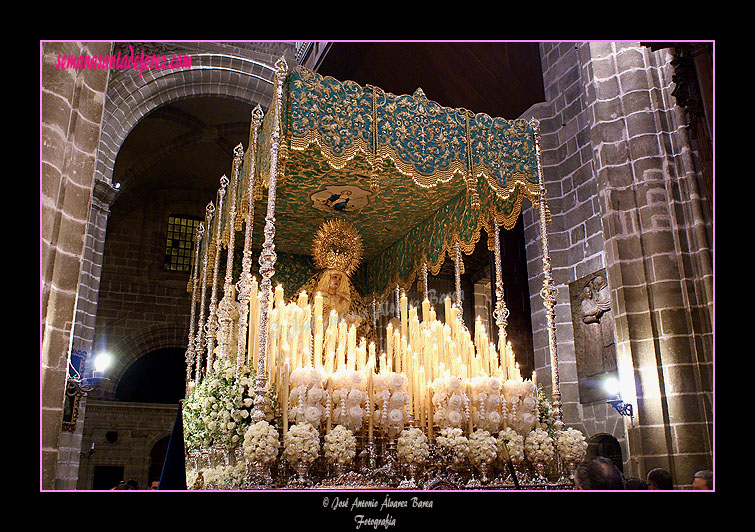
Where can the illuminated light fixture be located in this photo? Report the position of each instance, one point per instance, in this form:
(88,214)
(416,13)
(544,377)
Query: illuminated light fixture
(612,386)
(80,384)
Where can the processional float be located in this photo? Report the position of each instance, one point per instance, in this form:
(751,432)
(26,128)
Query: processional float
(367,193)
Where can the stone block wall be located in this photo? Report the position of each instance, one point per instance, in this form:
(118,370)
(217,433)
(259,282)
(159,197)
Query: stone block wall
(72,103)
(139,427)
(575,234)
(622,188)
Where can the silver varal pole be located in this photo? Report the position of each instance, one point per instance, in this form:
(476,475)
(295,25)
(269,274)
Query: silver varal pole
(549,291)
(245,282)
(501,313)
(190,355)
(212,319)
(267,256)
(199,340)
(226,310)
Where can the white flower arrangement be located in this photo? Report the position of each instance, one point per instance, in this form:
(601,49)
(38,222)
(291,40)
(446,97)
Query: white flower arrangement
(538,446)
(412,447)
(339,445)
(301,444)
(490,413)
(450,402)
(349,399)
(514,445)
(391,402)
(571,445)
(222,476)
(482,447)
(261,443)
(308,400)
(521,405)
(217,411)
(455,441)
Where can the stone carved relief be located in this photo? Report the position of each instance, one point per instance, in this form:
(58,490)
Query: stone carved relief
(594,339)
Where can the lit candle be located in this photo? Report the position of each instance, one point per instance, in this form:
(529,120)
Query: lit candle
(389,338)
(330,402)
(278,295)
(421,395)
(404,315)
(318,304)
(284,402)
(534,378)
(303,299)
(426,310)
(430,410)
(352,345)
(371,394)
(448,309)
(318,350)
(469,395)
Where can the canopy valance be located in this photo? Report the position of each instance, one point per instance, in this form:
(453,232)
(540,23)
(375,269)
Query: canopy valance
(414,177)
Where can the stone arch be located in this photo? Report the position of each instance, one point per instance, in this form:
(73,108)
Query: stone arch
(606,445)
(130,349)
(129,98)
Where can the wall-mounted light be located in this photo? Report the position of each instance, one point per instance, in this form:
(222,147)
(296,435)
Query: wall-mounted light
(612,386)
(79,383)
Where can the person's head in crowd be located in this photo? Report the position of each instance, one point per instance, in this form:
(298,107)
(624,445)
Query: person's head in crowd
(659,479)
(598,474)
(703,480)
(634,483)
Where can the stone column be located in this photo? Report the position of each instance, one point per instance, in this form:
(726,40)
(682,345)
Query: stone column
(103,195)
(658,260)
(72,104)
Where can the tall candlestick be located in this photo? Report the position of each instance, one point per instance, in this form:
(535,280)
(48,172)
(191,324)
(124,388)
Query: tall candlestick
(430,410)
(371,395)
(471,417)
(404,315)
(330,403)
(284,389)
(278,296)
(426,310)
(318,304)
(447,304)
(303,298)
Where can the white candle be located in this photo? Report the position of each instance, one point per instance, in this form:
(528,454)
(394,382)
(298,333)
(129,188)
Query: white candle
(404,315)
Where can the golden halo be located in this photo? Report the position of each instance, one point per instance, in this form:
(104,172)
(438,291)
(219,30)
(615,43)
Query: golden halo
(337,245)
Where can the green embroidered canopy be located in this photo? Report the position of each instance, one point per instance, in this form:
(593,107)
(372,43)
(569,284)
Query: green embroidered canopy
(413,177)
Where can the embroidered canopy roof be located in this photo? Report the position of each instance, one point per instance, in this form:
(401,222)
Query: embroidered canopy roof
(413,177)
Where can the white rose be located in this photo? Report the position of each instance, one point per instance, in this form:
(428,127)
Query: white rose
(355,397)
(454,417)
(312,414)
(396,416)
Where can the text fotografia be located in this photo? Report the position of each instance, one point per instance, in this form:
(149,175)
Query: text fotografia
(358,504)
(124,62)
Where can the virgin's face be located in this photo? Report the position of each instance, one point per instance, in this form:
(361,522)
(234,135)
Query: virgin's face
(335,282)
